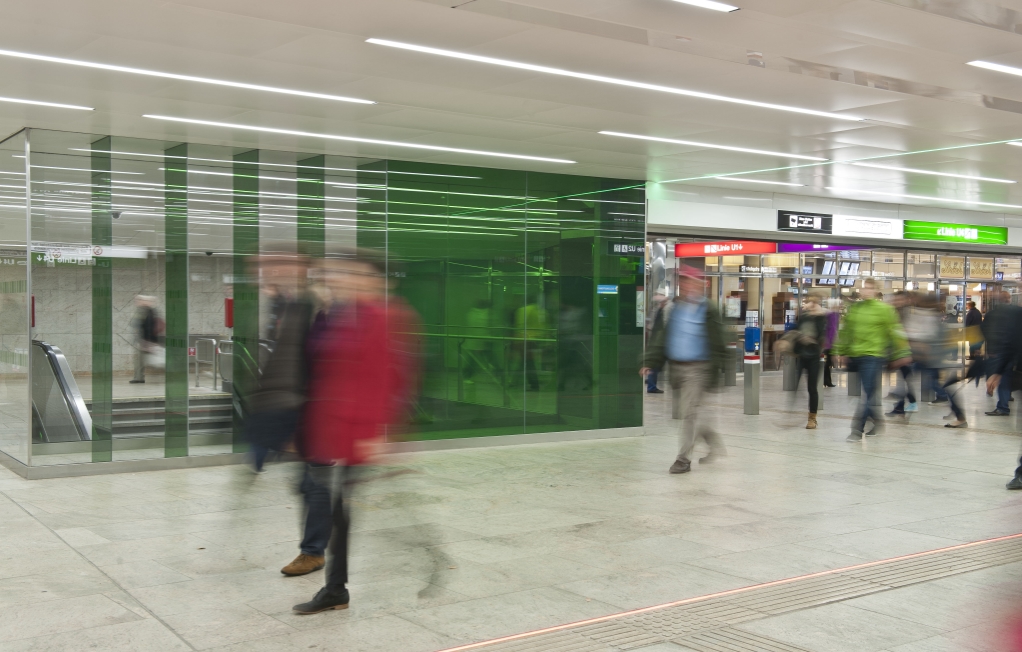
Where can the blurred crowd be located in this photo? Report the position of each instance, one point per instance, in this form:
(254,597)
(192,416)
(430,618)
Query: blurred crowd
(908,333)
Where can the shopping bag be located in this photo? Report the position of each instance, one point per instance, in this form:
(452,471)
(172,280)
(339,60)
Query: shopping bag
(156,357)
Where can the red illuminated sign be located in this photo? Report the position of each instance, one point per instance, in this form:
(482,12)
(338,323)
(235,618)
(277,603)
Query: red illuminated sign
(730,248)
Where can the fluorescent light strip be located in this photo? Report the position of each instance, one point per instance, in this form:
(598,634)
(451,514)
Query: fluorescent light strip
(50,167)
(55,105)
(930,172)
(709,4)
(607,80)
(169,75)
(610,201)
(693,143)
(997,67)
(771,183)
(953,201)
(353,139)
(278,165)
(629,214)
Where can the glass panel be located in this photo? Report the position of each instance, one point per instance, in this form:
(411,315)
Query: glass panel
(921,266)
(15,410)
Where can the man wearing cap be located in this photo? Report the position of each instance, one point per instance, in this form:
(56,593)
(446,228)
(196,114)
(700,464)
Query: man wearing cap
(691,342)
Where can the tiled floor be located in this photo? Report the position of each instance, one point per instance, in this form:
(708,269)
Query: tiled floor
(482,543)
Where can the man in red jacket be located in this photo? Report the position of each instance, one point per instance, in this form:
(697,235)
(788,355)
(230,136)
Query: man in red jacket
(360,375)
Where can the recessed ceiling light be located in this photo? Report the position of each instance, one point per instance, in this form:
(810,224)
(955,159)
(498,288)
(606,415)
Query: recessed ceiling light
(771,183)
(169,75)
(353,139)
(709,4)
(607,80)
(903,196)
(998,67)
(931,172)
(746,150)
(54,105)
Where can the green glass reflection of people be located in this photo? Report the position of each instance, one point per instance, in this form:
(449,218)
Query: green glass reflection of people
(477,352)
(530,326)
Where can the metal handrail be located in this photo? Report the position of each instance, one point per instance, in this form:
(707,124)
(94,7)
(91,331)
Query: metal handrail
(212,361)
(69,388)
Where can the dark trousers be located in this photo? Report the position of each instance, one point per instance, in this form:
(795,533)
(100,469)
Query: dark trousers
(906,373)
(651,380)
(1004,394)
(270,431)
(811,364)
(954,400)
(828,381)
(869,374)
(337,480)
(315,490)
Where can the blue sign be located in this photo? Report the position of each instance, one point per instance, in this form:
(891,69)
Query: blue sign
(606,289)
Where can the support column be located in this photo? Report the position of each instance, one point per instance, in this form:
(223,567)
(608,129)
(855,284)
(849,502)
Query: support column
(246,288)
(175,226)
(102,305)
(312,206)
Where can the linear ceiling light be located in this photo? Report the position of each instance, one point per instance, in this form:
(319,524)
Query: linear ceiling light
(275,165)
(607,80)
(997,67)
(746,150)
(772,183)
(170,75)
(903,196)
(931,172)
(55,105)
(353,139)
(709,4)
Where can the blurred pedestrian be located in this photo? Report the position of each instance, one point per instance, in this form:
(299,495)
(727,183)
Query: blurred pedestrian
(973,329)
(1008,363)
(999,327)
(869,334)
(147,326)
(691,342)
(361,376)
(655,321)
(833,319)
(809,337)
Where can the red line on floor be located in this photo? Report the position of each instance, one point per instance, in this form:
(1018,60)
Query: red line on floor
(744,589)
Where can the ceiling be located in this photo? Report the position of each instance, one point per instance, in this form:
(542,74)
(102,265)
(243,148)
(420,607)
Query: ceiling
(900,66)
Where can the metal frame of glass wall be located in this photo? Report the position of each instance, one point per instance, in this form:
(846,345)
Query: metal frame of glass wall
(527,285)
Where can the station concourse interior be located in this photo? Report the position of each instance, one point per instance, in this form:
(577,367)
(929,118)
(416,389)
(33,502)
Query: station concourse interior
(511,326)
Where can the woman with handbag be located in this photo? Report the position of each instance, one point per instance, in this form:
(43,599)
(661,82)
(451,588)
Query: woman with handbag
(807,345)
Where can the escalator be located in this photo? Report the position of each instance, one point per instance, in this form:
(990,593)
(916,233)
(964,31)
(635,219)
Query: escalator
(62,418)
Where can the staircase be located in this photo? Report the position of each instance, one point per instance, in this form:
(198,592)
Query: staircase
(137,420)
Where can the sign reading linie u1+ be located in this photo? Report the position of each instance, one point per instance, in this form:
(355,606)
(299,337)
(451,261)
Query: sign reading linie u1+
(944,232)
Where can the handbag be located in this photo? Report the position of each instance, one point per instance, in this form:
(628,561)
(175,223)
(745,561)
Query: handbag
(156,357)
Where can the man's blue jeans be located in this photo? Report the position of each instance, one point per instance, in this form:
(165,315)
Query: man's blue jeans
(315,490)
(651,380)
(869,375)
(1004,393)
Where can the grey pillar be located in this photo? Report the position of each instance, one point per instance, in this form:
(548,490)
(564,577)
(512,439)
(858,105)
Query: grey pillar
(731,366)
(752,369)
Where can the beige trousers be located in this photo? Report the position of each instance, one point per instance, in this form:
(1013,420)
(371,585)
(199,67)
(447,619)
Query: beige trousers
(688,383)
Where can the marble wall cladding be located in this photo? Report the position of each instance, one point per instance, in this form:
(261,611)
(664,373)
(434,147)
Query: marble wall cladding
(64,304)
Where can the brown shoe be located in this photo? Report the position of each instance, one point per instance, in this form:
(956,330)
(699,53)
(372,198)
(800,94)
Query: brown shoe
(303,565)
(812,421)
(681,466)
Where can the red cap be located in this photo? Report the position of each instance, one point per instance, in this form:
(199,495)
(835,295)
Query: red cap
(690,272)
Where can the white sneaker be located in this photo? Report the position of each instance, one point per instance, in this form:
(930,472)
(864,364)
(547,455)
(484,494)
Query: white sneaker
(911,407)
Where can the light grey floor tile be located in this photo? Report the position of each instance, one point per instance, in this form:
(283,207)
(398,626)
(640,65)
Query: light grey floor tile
(137,636)
(879,543)
(655,585)
(840,628)
(70,614)
(137,574)
(214,627)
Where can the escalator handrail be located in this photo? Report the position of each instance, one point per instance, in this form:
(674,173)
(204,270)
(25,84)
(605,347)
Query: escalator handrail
(69,388)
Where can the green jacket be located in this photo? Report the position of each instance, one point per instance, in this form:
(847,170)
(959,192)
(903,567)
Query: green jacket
(656,349)
(872,328)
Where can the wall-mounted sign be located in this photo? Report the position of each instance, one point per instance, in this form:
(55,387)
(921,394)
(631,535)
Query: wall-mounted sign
(981,268)
(943,232)
(606,289)
(806,222)
(752,269)
(625,249)
(867,227)
(952,266)
(730,248)
(806,247)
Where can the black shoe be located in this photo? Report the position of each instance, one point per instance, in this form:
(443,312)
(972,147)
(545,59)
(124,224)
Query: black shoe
(324,601)
(957,424)
(1015,484)
(895,413)
(681,466)
(997,413)
(854,437)
(135,382)
(654,391)
(939,401)
(830,385)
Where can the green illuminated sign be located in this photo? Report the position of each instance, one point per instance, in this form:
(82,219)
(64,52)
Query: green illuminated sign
(943,232)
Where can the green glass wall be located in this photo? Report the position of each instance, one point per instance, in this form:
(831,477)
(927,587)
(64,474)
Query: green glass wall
(524,283)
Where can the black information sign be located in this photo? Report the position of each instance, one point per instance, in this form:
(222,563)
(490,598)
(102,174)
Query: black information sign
(804,222)
(625,249)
